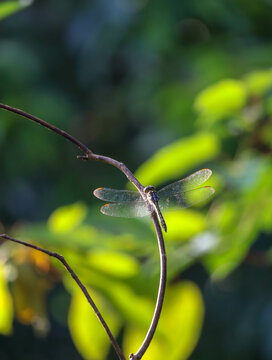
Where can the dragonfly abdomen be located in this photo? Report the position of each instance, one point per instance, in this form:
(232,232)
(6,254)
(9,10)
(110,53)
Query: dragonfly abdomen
(159,214)
(154,200)
(183,193)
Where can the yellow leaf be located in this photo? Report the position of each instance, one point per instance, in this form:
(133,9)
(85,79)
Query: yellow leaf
(221,99)
(170,162)
(179,326)
(258,82)
(6,309)
(9,7)
(114,263)
(67,218)
(88,334)
(134,307)
(183,224)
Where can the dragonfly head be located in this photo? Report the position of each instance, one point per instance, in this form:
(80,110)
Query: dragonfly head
(148,188)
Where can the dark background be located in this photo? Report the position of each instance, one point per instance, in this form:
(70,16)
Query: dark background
(123,76)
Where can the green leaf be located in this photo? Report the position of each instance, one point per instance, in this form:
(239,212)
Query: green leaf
(6,308)
(67,218)
(170,162)
(114,263)
(221,99)
(268,108)
(238,233)
(238,222)
(183,224)
(226,216)
(179,258)
(9,7)
(126,300)
(88,334)
(259,82)
(179,326)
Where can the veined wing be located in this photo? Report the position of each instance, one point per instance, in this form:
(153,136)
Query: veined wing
(139,209)
(126,209)
(114,195)
(186,184)
(187,198)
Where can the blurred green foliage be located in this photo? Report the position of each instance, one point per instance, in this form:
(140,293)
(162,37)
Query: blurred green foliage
(9,7)
(167,88)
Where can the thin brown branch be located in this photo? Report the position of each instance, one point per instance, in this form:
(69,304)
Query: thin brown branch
(163,276)
(48,126)
(89,155)
(79,283)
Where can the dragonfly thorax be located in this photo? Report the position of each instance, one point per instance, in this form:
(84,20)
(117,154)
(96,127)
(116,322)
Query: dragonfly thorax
(184,193)
(151,194)
(149,188)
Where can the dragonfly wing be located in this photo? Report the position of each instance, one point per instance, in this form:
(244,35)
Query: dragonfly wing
(126,209)
(187,198)
(186,184)
(113,195)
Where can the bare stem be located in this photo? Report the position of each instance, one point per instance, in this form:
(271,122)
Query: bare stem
(89,155)
(48,126)
(163,277)
(79,283)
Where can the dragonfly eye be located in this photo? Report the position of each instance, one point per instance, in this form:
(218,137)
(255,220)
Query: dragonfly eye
(149,188)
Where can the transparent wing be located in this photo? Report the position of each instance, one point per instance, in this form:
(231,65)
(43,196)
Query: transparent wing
(186,184)
(126,210)
(139,208)
(113,195)
(187,198)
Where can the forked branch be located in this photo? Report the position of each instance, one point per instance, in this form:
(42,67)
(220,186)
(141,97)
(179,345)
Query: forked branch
(89,155)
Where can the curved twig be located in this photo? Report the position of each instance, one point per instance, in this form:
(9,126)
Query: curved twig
(89,155)
(79,283)
(161,292)
(48,126)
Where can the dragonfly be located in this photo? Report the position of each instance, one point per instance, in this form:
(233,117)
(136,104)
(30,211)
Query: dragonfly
(182,193)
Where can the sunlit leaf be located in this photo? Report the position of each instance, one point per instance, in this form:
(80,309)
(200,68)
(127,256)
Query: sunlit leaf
(67,218)
(268,106)
(122,296)
(88,334)
(114,263)
(172,161)
(181,257)
(221,99)
(179,326)
(6,308)
(233,245)
(266,131)
(126,300)
(224,216)
(239,221)
(183,224)
(258,82)
(9,7)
